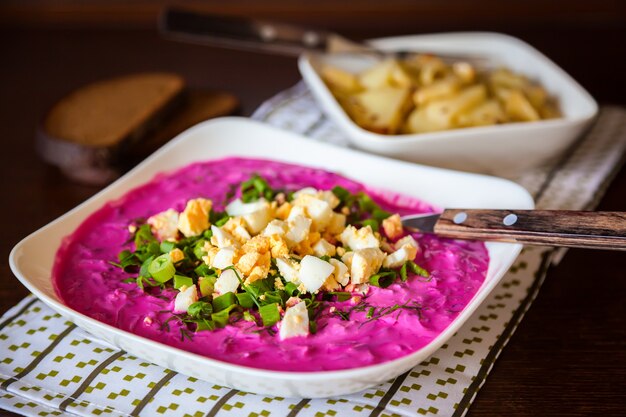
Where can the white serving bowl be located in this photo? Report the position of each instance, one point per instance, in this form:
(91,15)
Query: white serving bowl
(32,259)
(501,149)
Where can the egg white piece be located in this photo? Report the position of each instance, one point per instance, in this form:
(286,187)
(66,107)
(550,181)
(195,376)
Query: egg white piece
(314,272)
(227,282)
(185,298)
(295,322)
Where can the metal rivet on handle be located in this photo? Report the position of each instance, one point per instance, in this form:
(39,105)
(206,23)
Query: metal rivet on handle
(460,217)
(268,33)
(311,39)
(510,219)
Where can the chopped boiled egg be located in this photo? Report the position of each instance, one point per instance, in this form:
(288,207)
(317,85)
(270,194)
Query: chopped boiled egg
(397,258)
(341,271)
(176,255)
(227,282)
(236,226)
(295,322)
(290,270)
(359,238)
(329,197)
(256,214)
(365,263)
(275,227)
(392,226)
(195,218)
(336,224)
(165,224)
(410,244)
(278,246)
(224,257)
(221,238)
(406,250)
(324,248)
(299,227)
(304,191)
(247,262)
(186,297)
(319,211)
(314,272)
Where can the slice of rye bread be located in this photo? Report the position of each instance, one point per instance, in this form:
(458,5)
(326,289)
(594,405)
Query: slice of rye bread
(200,105)
(97,131)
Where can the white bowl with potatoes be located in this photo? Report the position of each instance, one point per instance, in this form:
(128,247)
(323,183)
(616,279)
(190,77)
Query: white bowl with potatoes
(512,110)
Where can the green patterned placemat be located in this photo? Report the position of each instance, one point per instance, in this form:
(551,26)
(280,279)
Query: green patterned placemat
(50,367)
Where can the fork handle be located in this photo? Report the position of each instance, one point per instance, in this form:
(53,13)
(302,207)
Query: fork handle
(578,229)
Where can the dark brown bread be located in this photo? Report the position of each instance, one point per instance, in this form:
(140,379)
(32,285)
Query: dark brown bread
(106,113)
(97,131)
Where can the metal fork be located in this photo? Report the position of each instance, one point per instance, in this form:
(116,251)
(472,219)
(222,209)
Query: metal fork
(277,38)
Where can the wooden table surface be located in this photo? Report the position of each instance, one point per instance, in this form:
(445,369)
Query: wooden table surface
(568,355)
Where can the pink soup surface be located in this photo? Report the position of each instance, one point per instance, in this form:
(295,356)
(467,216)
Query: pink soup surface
(87,282)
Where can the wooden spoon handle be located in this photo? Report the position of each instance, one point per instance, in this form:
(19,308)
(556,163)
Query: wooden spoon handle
(579,229)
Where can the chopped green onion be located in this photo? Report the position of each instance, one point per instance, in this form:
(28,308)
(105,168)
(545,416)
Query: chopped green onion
(341,295)
(312,327)
(247,316)
(373,223)
(291,289)
(245,300)
(255,188)
(206,285)
(370,312)
(341,193)
(144,236)
(418,270)
(162,269)
(167,246)
(271,297)
(403,273)
(383,279)
(198,249)
(221,317)
(200,309)
(221,222)
(224,301)
(218,218)
(366,203)
(380,214)
(143,271)
(203,270)
(204,324)
(269,314)
(180,281)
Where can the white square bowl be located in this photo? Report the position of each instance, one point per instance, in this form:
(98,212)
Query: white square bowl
(505,149)
(32,259)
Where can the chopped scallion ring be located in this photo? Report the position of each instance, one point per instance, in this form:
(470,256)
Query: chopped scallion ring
(162,269)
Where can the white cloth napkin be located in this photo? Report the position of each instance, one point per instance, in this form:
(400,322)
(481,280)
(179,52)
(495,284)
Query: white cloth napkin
(50,367)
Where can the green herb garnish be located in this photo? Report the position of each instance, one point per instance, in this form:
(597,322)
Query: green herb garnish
(383,279)
(269,314)
(224,301)
(161,268)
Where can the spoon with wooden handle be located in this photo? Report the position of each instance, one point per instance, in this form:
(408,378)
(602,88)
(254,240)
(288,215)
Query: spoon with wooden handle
(576,229)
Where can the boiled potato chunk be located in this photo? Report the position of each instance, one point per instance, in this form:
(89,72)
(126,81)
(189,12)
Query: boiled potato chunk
(385,74)
(377,76)
(341,80)
(419,122)
(426,93)
(381,110)
(505,78)
(438,90)
(518,108)
(488,113)
(445,112)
